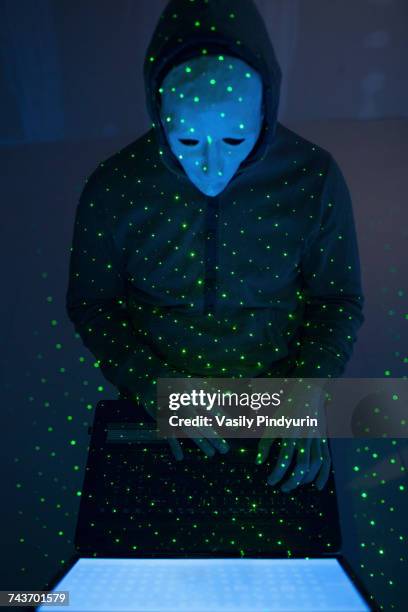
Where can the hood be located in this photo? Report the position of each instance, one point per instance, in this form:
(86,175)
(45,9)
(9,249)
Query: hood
(188,28)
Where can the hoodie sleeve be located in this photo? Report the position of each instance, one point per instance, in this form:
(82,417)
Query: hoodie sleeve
(332,292)
(96,303)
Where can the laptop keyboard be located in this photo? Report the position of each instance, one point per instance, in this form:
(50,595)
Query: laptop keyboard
(221,487)
(137,497)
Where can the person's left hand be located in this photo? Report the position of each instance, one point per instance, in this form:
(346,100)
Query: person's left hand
(301,460)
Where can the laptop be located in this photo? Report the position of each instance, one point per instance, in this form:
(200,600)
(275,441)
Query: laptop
(154,534)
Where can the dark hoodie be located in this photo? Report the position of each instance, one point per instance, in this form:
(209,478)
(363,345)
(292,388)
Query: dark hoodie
(262,280)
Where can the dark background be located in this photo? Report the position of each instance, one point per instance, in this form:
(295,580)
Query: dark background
(71,95)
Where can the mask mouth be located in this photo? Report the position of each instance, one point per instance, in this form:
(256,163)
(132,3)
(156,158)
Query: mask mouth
(215,186)
(214,189)
(210,182)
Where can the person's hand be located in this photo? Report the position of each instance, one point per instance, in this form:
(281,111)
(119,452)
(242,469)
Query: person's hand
(208,444)
(301,460)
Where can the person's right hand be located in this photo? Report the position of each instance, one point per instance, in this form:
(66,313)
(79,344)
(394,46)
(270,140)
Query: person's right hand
(209,445)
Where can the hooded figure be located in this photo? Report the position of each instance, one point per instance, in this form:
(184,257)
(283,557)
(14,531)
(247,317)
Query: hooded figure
(259,279)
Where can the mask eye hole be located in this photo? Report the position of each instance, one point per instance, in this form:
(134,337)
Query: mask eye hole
(188,142)
(233,141)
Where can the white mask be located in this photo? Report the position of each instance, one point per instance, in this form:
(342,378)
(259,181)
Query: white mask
(212,115)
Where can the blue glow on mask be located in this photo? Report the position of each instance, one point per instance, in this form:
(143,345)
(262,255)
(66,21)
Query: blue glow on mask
(212,116)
